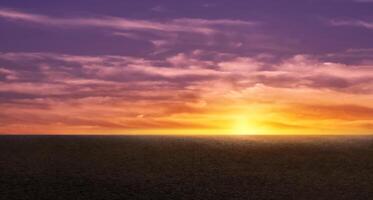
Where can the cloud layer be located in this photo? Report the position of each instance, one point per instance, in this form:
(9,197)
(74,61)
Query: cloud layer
(194,73)
(128,94)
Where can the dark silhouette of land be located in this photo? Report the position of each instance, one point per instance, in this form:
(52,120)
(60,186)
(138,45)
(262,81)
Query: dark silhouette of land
(171,167)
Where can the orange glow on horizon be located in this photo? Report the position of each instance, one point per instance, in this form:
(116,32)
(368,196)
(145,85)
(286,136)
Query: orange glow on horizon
(219,106)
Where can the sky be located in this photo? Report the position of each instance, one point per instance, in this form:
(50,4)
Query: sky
(186,67)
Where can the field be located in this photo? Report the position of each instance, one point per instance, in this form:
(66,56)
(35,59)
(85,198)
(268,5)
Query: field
(186,167)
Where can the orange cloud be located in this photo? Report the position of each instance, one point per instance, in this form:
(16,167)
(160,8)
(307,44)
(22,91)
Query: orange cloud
(182,94)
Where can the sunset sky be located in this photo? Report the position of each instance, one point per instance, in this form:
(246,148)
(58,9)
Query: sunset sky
(186,67)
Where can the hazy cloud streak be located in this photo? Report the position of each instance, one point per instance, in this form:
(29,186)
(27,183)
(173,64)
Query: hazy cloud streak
(202,26)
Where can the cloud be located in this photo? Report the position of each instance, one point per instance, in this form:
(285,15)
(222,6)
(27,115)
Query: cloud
(201,26)
(217,22)
(358,56)
(163,35)
(345,112)
(240,65)
(296,72)
(195,89)
(128,35)
(353,23)
(8,74)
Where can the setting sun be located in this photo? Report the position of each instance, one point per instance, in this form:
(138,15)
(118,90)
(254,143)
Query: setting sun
(243,126)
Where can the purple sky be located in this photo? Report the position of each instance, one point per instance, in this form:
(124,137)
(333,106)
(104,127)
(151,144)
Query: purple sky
(284,27)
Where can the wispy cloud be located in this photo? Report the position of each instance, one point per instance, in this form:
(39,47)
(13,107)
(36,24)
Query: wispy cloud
(353,23)
(202,26)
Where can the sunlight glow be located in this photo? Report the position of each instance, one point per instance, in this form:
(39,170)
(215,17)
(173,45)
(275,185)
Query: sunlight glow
(244,126)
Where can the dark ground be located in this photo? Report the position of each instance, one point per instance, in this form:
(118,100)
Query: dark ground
(160,167)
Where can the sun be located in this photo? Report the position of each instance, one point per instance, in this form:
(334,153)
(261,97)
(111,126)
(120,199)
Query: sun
(241,125)
(244,126)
